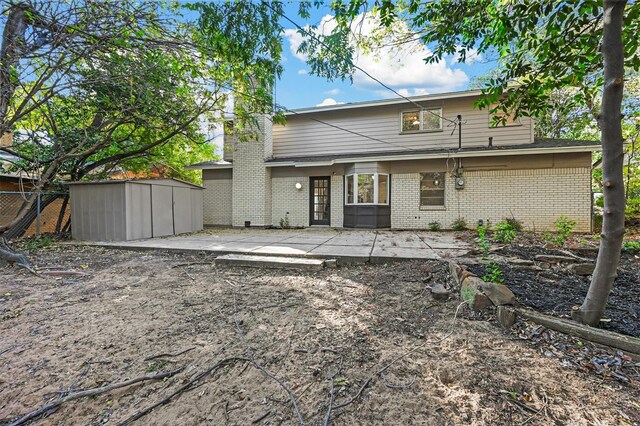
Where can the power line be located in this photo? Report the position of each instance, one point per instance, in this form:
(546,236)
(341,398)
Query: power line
(350,62)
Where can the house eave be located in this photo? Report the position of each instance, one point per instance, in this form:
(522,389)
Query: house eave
(436,155)
(385,102)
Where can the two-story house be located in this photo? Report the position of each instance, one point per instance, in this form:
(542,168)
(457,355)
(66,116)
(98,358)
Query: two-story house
(398,164)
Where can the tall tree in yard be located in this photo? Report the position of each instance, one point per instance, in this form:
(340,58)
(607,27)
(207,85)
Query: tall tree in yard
(89,86)
(542,46)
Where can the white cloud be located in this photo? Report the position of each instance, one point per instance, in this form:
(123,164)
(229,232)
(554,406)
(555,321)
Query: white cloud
(333,92)
(302,72)
(401,68)
(329,101)
(295,39)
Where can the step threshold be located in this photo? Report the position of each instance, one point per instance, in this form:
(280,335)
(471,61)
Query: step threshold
(271,262)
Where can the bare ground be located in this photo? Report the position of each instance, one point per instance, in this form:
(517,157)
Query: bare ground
(63,334)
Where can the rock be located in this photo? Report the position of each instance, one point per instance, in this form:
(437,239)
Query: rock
(456,272)
(331,263)
(520,262)
(439,292)
(581,268)
(480,302)
(499,294)
(551,258)
(544,266)
(470,292)
(505,316)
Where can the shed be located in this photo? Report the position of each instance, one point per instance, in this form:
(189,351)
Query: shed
(130,209)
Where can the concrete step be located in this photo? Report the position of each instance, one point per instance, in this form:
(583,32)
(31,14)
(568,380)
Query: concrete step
(271,262)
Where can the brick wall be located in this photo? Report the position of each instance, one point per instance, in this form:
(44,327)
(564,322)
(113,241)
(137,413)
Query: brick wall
(536,197)
(251,179)
(218,201)
(337,200)
(289,201)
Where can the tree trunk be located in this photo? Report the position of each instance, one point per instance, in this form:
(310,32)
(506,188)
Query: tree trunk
(610,119)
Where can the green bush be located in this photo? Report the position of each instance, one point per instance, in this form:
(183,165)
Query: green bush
(505,231)
(564,228)
(514,223)
(631,246)
(494,273)
(632,208)
(434,226)
(482,240)
(459,224)
(40,242)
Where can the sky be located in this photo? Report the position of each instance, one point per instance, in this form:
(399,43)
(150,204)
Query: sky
(404,71)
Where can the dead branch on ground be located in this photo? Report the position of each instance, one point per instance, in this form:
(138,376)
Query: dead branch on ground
(188,386)
(169,355)
(261,368)
(91,392)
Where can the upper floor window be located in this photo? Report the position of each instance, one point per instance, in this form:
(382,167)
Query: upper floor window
(367,188)
(422,120)
(503,118)
(432,189)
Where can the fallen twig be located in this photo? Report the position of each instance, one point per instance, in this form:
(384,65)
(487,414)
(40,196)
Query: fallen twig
(327,417)
(187,386)
(91,392)
(534,415)
(344,404)
(264,370)
(179,265)
(393,386)
(262,417)
(169,355)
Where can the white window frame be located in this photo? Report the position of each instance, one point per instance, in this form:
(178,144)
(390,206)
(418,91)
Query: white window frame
(421,114)
(354,176)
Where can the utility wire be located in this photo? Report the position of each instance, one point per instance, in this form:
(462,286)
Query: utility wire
(350,62)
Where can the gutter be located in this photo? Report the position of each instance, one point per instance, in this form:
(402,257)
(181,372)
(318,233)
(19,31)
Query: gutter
(429,156)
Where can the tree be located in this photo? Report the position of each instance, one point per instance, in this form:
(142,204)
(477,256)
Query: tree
(87,87)
(542,46)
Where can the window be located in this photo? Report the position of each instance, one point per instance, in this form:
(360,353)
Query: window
(510,119)
(429,119)
(432,189)
(367,188)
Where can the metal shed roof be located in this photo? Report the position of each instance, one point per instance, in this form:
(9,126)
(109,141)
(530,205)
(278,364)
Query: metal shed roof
(167,181)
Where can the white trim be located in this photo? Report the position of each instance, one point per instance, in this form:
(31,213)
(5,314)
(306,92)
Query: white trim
(355,190)
(449,154)
(210,167)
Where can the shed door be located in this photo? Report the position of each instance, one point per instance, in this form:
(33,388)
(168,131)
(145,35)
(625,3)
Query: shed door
(181,210)
(162,210)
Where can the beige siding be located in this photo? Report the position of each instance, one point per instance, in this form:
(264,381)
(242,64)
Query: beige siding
(138,208)
(98,215)
(536,197)
(302,136)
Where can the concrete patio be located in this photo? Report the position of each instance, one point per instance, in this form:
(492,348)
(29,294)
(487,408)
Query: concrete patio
(350,246)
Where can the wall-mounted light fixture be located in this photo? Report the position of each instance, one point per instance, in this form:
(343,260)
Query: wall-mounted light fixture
(298,186)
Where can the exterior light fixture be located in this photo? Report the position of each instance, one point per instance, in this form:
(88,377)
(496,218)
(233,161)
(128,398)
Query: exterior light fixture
(298,186)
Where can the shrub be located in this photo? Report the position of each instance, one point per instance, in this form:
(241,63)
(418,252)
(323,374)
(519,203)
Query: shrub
(482,240)
(514,223)
(494,273)
(505,232)
(434,226)
(631,246)
(459,224)
(284,222)
(632,208)
(40,242)
(564,228)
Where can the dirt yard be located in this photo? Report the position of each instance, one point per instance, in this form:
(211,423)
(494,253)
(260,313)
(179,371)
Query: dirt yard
(367,341)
